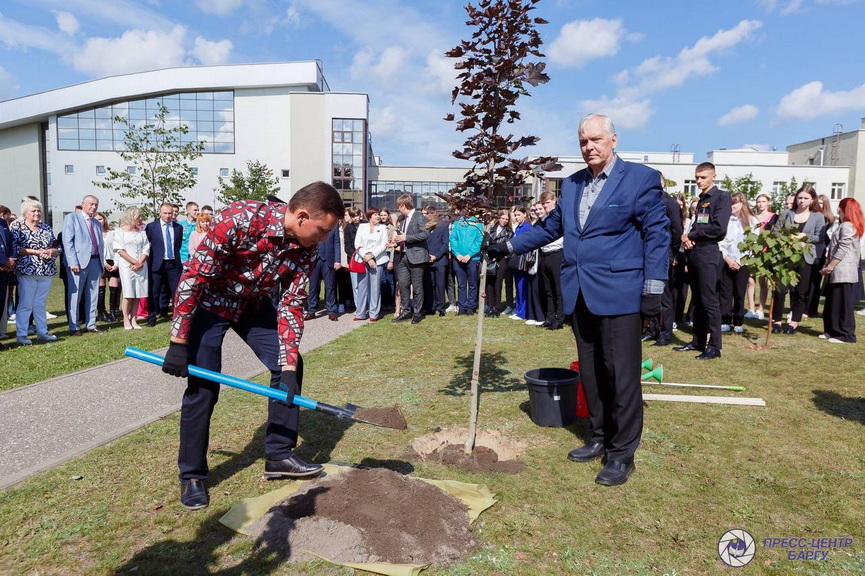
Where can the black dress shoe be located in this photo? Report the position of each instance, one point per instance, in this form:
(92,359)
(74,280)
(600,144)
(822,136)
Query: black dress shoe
(193,495)
(291,467)
(790,329)
(615,473)
(555,326)
(401,317)
(710,354)
(151,322)
(689,347)
(662,342)
(646,337)
(442,313)
(588,452)
(776,328)
(416,319)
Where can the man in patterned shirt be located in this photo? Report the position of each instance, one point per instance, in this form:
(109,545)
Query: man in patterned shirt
(251,250)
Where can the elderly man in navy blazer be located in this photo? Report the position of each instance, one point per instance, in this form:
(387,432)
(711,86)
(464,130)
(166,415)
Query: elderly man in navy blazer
(616,242)
(83,253)
(166,264)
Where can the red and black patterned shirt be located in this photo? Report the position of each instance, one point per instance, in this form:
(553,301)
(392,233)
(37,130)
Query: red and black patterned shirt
(239,262)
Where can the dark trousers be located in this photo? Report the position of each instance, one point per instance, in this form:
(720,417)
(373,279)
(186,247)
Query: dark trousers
(450,285)
(818,287)
(467,284)
(410,279)
(660,327)
(838,319)
(679,281)
(438,278)
(732,287)
(534,308)
(508,277)
(798,296)
(705,264)
(609,352)
(493,288)
(322,272)
(166,278)
(551,274)
(257,327)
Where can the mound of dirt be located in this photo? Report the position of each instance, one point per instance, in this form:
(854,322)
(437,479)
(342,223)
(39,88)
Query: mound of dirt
(389,417)
(493,452)
(369,516)
(482,459)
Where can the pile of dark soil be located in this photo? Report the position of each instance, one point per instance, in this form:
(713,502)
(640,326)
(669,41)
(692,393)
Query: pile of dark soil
(389,417)
(369,516)
(482,459)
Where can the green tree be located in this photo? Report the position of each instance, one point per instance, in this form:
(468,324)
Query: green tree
(256,184)
(774,255)
(494,71)
(160,162)
(746,184)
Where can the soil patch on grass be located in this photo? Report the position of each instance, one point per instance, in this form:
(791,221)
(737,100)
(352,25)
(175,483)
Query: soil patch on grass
(369,516)
(493,452)
(389,417)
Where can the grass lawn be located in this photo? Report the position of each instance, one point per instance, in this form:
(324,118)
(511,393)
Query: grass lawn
(795,468)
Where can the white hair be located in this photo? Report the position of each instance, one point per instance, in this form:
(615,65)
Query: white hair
(608,123)
(27,204)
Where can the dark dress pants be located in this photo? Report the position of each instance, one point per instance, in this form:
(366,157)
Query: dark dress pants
(705,265)
(257,327)
(733,285)
(609,352)
(798,296)
(438,275)
(551,271)
(410,279)
(838,319)
(164,279)
(322,272)
(467,284)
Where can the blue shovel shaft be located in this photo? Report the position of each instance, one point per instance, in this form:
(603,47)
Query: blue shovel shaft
(221,378)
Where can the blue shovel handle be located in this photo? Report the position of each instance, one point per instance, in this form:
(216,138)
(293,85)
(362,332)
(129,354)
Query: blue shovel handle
(221,378)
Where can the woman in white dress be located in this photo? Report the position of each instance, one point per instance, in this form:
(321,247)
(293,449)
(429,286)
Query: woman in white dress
(132,249)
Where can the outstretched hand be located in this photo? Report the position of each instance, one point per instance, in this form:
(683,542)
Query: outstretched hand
(497,251)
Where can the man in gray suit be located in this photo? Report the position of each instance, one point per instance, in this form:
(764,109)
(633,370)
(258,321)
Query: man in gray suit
(411,239)
(82,251)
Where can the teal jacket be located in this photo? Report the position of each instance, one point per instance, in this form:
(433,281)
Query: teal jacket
(467,237)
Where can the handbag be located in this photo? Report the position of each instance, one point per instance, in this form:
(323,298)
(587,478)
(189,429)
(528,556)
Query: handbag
(356,263)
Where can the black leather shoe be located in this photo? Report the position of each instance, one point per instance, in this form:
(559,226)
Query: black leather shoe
(662,342)
(442,313)
(193,494)
(689,347)
(151,322)
(776,328)
(710,354)
(416,319)
(402,317)
(790,329)
(291,467)
(588,452)
(555,326)
(615,473)
(646,337)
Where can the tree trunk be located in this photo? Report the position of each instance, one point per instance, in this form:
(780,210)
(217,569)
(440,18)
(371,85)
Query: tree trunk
(771,308)
(476,367)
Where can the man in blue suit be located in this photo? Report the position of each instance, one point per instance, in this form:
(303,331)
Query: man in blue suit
(165,259)
(616,241)
(327,255)
(7,262)
(83,252)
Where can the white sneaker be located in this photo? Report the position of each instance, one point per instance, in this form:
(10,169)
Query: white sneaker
(725,327)
(835,341)
(47,337)
(823,336)
(12,319)
(759,315)
(508,310)
(738,329)
(515,317)
(451,308)
(534,322)
(750,314)
(675,327)
(861,312)
(50,316)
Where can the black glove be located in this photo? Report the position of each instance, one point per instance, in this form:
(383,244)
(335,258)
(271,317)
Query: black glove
(176,360)
(497,251)
(650,305)
(288,384)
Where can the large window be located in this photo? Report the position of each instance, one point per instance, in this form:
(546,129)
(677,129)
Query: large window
(349,158)
(690,188)
(838,191)
(209,116)
(383,193)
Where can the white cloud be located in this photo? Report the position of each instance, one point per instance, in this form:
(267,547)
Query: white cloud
(219,7)
(14,34)
(440,69)
(812,101)
(210,53)
(658,73)
(625,112)
(384,122)
(292,16)
(582,41)
(8,86)
(738,114)
(67,23)
(135,51)
(390,63)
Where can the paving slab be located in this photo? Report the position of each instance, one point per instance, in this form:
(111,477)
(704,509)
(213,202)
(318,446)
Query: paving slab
(46,423)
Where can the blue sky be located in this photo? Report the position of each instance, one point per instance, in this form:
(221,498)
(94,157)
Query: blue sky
(762,73)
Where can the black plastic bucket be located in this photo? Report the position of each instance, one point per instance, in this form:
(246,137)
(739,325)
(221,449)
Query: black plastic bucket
(552,395)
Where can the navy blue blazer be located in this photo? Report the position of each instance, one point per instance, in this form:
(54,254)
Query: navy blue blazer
(5,244)
(157,243)
(437,243)
(625,241)
(328,251)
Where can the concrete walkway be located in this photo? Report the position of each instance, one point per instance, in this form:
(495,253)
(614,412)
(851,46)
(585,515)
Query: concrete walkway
(49,422)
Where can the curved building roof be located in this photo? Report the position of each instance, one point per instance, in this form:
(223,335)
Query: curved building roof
(304,76)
